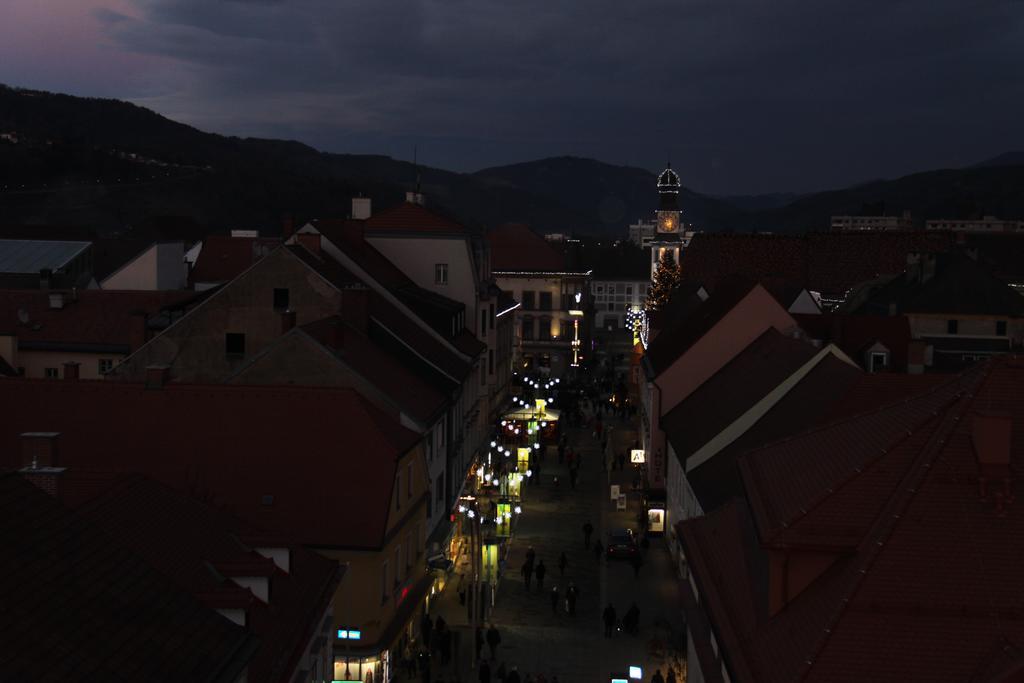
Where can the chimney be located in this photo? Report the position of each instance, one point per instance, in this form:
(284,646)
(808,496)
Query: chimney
(137,331)
(311,241)
(361,208)
(991,436)
(916,356)
(157,376)
(287,321)
(287,227)
(355,307)
(71,370)
(56,300)
(45,276)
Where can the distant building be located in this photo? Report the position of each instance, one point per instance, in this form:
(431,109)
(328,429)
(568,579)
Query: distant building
(879,223)
(616,297)
(45,264)
(553,321)
(985,224)
(642,233)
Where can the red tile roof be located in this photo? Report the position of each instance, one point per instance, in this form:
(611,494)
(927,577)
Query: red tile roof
(190,543)
(516,248)
(223,258)
(927,586)
(92,319)
(855,333)
(680,333)
(830,263)
(236,444)
(79,605)
(414,218)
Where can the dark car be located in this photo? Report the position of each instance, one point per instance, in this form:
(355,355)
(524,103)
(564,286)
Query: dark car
(622,543)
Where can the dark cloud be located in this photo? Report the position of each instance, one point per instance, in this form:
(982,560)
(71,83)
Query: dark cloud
(747,96)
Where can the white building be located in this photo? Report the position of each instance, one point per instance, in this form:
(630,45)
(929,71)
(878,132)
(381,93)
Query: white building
(858,223)
(985,224)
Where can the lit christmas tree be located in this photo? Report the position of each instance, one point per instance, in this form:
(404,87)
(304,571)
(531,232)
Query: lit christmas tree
(666,278)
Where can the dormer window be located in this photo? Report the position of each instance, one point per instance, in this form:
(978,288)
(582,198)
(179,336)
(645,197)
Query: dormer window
(879,361)
(440,273)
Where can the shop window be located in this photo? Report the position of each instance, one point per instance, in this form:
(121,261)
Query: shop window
(528,299)
(952,326)
(1001,328)
(234,344)
(280,299)
(545,301)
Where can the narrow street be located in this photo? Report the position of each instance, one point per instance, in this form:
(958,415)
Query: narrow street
(572,648)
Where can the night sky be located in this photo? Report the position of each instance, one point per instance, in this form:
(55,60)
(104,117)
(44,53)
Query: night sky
(747,96)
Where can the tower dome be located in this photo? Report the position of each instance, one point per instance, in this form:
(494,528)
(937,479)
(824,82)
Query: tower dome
(668,181)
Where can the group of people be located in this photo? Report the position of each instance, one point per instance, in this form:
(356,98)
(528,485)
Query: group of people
(630,621)
(533,567)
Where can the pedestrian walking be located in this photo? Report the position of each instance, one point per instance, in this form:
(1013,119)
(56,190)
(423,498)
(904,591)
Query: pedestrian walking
(493,639)
(598,549)
(657,677)
(527,572)
(563,562)
(637,562)
(571,594)
(541,571)
(671,678)
(609,620)
(485,672)
(531,555)
(554,599)
(588,529)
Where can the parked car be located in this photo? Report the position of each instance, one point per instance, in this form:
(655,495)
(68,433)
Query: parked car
(622,543)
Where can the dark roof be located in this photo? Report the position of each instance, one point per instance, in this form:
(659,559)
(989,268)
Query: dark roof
(854,334)
(746,379)
(223,258)
(516,248)
(925,578)
(236,444)
(718,480)
(414,218)
(830,263)
(392,373)
(348,236)
(682,332)
(959,286)
(93,319)
(79,605)
(196,546)
(31,256)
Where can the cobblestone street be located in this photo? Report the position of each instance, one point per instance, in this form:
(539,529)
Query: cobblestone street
(573,648)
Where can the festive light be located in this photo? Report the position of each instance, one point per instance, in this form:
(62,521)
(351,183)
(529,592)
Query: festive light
(536,446)
(529,473)
(493,444)
(470,514)
(462,508)
(519,509)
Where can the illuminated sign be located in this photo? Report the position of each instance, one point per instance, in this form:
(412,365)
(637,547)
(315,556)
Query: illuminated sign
(349,634)
(636,673)
(637,456)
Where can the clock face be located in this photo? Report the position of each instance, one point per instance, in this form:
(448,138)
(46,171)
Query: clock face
(668,222)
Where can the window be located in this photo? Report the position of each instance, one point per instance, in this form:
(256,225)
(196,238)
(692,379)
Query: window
(51,373)
(105,365)
(879,360)
(492,316)
(482,372)
(528,297)
(398,563)
(280,299)
(545,301)
(483,323)
(611,306)
(952,326)
(1001,328)
(629,291)
(439,484)
(440,273)
(408,553)
(544,331)
(528,327)
(398,491)
(490,361)
(384,581)
(408,486)
(234,344)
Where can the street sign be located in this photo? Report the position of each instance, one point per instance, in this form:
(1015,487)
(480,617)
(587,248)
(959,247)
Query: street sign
(637,456)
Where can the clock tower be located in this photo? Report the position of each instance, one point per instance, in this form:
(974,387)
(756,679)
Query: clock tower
(669,219)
